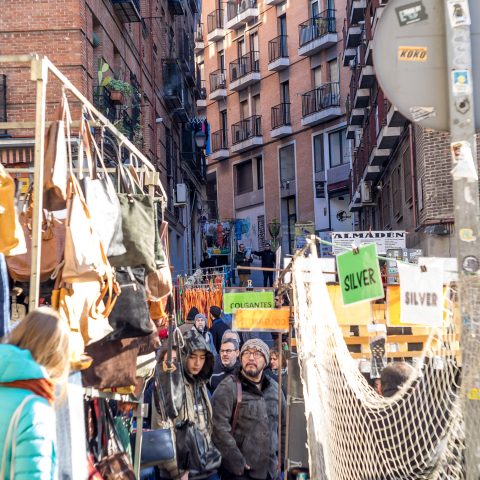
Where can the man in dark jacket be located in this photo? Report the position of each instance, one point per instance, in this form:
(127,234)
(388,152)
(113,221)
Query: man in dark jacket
(241,260)
(268,261)
(250,446)
(218,327)
(226,363)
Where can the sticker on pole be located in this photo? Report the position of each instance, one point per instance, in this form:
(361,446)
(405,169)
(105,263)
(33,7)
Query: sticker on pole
(411,13)
(421,294)
(359,275)
(412,54)
(459,13)
(461,82)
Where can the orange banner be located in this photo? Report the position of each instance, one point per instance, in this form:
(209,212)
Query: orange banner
(358,314)
(261,319)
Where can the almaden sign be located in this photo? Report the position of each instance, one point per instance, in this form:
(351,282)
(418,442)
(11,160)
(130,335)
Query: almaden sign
(384,239)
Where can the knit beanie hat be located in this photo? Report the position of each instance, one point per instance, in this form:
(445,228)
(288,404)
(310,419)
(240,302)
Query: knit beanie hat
(199,316)
(257,344)
(215,311)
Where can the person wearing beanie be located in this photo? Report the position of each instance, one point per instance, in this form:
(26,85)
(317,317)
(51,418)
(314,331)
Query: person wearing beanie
(218,326)
(226,363)
(249,446)
(189,320)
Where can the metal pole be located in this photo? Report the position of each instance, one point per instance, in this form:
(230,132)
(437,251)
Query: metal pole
(39,73)
(466,202)
(280,401)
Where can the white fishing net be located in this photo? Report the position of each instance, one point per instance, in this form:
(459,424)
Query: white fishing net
(356,434)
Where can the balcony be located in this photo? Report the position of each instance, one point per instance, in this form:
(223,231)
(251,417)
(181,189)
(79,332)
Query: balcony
(199,43)
(281,123)
(128,11)
(240,12)
(218,85)
(317,33)
(394,117)
(278,54)
(175,94)
(367,72)
(176,7)
(202,95)
(321,104)
(360,96)
(356,11)
(273,2)
(245,71)
(352,35)
(103,102)
(348,55)
(192,158)
(219,143)
(215,28)
(247,134)
(194,6)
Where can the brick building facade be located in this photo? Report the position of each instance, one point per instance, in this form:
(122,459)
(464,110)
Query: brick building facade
(148,45)
(400,172)
(275,96)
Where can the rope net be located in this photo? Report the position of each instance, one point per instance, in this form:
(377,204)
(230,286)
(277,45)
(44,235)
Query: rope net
(355,433)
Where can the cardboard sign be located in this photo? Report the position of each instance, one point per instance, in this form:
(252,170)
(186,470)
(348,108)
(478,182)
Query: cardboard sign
(261,320)
(412,54)
(359,275)
(254,299)
(360,314)
(421,294)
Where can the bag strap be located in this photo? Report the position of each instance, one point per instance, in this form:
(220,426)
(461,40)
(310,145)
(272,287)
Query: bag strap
(11,437)
(236,412)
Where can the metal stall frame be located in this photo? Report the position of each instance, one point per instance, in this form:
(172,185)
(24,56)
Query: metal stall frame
(40,68)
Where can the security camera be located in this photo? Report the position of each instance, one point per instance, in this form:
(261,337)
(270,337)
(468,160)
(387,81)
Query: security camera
(159,120)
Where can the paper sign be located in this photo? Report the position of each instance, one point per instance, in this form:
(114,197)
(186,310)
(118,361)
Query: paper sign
(261,320)
(235,300)
(411,13)
(412,54)
(421,294)
(384,240)
(360,314)
(461,83)
(359,275)
(458,13)
(463,163)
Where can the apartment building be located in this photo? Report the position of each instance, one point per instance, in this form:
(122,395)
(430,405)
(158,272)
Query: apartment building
(275,93)
(134,60)
(400,173)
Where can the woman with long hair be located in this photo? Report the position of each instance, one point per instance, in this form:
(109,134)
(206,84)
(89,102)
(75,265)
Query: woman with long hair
(34,358)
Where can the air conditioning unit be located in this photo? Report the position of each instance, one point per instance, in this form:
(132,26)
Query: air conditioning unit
(180,195)
(366,192)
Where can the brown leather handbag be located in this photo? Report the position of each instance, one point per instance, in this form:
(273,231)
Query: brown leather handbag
(52,246)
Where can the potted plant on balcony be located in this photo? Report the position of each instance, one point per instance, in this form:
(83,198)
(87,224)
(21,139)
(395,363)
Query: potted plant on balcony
(118,90)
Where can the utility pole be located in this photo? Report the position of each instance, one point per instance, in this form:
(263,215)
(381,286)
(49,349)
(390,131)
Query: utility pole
(466,202)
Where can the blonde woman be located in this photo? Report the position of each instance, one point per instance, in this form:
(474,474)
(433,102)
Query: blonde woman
(33,359)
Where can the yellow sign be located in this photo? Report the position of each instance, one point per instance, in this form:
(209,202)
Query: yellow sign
(412,54)
(357,314)
(261,319)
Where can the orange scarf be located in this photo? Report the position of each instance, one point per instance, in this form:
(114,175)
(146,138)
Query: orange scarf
(43,387)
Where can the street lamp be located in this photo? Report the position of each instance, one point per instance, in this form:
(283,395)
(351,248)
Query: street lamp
(200,139)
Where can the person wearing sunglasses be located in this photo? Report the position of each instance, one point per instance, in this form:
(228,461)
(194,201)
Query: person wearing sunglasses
(226,363)
(247,436)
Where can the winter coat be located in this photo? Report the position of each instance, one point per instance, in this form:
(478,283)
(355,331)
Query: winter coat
(218,328)
(268,258)
(35,441)
(209,339)
(220,372)
(255,441)
(241,261)
(197,407)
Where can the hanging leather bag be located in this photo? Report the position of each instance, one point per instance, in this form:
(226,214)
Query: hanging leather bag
(52,245)
(12,239)
(100,196)
(130,316)
(138,224)
(55,161)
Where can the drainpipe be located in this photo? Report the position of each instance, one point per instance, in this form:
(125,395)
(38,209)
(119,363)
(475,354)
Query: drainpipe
(413,176)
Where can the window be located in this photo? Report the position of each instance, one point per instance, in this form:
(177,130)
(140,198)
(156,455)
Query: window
(314,8)
(221,60)
(256,109)
(333,71)
(254,42)
(241,49)
(285,92)
(386,205)
(224,127)
(244,177)
(407,176)
(317,77)
(282,25)
(338,148)
(287,163)
(259,173)
(397,191)
(318,153)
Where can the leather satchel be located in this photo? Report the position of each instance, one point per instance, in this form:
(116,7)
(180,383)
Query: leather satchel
(130,316)
(12,239)
(100,196)
(55,160)
(52,246)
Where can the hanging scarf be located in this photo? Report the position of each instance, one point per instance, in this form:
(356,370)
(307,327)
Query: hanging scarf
(43,387)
